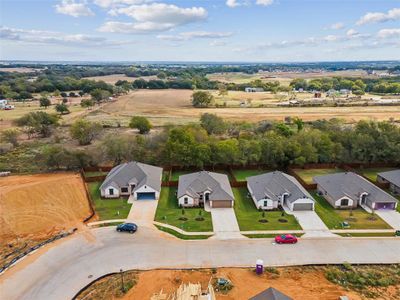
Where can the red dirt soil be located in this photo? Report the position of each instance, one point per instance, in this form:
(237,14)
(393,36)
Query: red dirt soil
(298,283)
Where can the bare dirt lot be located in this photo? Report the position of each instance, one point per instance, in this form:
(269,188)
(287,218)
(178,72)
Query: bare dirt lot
(19,70)
(34,206)
(298,283)
(174,106)
(112,79)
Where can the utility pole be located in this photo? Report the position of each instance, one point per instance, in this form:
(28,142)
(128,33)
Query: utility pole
(122,280)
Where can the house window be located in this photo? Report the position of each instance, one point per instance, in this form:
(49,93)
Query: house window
(124,190)
(111,192)
(345,202)
(265,203)
(185,200)
(201,197)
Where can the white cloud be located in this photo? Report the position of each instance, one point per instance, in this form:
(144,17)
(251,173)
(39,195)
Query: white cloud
(232,3)
(389,33)
(184,36)
(153,17)
(74,9)
(53,37)
(379,17)
(337,26)
(113,3)
(264,2)
(217,44)
(331,38)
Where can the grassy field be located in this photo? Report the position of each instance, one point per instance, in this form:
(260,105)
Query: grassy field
(308,174)
(174,107)
(241,175)
(248,216)
(107,209)
(183,236)
(371,173)
(169,212)
(334,217)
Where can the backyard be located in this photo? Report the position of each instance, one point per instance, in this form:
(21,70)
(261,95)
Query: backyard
(175,174)
(108,209)
(333,218)
(308,174)
(371,173)
(241,175)
(249,217)
(189,219)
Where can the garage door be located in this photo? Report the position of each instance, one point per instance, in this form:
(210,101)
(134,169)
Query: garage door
(146,196)
(303,206)
(221,203)
(384,206)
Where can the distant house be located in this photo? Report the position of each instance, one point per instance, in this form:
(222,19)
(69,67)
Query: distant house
(391,177)
(253,90)
(349,190)
(136,180)
(3,103)
(345,91)
(200,188)
(270,190)
(331,92)
(271,294)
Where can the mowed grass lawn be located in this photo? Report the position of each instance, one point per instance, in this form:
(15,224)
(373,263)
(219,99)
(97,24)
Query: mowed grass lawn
(371,173)
(241,175)
(169,212)
(308,174)
(333,218)
(107,209)
(248,216)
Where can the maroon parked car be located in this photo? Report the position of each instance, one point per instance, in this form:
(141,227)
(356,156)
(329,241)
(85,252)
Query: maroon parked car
(286,239)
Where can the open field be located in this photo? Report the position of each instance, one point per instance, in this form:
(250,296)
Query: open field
(174,106)
(112,79)
(294,281)
(333,218)
(19,70)
(108,209)
(35,205)
(168,212)
(248,216)
(283,77)
(308,174)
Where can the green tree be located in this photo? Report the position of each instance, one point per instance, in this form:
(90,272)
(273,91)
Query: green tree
(299,123)
(44,102)
(140,123)
(84,131)
(38,122)
(202,99)
(212,123)
(89,103)
(62,109)
(10,135)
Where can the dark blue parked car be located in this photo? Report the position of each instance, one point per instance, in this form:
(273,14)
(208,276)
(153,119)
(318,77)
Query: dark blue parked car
(127,227)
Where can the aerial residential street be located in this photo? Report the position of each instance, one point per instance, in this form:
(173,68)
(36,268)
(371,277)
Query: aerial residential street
(63,270)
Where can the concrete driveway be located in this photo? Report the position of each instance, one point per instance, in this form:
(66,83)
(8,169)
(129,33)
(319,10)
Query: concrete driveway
(312,224)
(63,269)
(225,223)
(391,217)
(142,212)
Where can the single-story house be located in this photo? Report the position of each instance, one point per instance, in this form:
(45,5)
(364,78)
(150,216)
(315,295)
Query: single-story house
(349,190)
(3,103)
(253,90)
(196,189)
(141,181)
(391,177)
(271,294)
(270,190)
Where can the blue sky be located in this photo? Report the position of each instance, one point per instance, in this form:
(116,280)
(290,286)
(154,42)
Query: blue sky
(202,30)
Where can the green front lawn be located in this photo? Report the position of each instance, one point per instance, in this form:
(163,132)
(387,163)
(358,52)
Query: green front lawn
(248,216)
(182,236)
(371,173)
(107,209)
(241,175)
(333,218)
(308,174)
(169,212)
(366,234)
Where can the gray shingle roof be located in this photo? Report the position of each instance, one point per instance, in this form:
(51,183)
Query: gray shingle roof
(271,294)
(134,172)
(194,183)
(351,185)
(391,176)
(274,184)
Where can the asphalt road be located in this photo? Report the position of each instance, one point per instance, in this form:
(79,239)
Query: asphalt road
(62,270)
